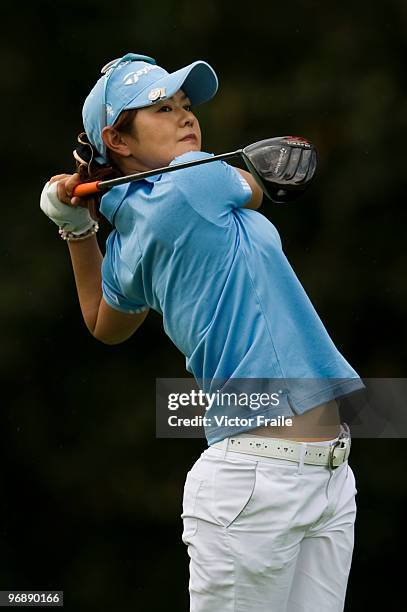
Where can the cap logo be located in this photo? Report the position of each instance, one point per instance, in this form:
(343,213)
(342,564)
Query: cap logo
(132,77)
(156,94)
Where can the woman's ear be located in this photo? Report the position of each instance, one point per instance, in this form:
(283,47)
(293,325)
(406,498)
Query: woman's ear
(115,142)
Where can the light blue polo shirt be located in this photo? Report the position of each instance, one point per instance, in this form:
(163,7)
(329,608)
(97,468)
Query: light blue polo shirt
(184,245)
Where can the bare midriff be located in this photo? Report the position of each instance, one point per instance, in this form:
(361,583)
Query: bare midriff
(315,425)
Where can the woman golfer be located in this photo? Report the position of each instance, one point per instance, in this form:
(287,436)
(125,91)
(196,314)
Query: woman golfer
(268,511)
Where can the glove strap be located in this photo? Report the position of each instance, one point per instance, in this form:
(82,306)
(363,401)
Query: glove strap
(71,237)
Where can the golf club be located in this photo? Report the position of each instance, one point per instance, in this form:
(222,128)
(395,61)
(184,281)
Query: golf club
(282,166)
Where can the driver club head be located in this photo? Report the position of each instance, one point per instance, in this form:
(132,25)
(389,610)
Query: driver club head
(283,166)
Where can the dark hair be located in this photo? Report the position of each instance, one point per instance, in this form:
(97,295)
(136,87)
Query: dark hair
(89,169)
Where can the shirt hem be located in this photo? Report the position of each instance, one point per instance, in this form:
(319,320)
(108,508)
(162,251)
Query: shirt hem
(136,310)
(217,434)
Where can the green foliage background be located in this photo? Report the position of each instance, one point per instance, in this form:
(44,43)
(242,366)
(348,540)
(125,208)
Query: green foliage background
(91,499)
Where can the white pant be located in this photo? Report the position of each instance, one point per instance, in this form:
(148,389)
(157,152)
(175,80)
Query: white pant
(267,534)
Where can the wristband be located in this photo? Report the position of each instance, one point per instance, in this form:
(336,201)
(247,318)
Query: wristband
(71,237)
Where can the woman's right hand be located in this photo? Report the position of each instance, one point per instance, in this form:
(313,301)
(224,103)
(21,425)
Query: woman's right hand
(65,187)
(64,210)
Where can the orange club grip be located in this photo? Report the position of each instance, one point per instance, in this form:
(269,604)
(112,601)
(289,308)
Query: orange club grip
(85,189)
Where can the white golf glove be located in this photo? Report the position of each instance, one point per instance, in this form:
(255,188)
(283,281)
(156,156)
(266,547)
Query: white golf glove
(71,219)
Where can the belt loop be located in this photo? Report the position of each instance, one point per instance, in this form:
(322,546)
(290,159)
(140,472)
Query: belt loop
(303,449)
(225,449)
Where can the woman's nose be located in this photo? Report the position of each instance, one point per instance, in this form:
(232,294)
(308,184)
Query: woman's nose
(186,117)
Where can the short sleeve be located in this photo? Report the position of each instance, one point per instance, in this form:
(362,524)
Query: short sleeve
(112,286)
(213,189)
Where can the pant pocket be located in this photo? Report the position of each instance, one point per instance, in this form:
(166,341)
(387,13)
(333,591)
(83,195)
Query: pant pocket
(190,522)
(233,488)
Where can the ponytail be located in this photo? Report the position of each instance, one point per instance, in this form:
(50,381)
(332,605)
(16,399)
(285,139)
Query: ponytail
(90,170)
